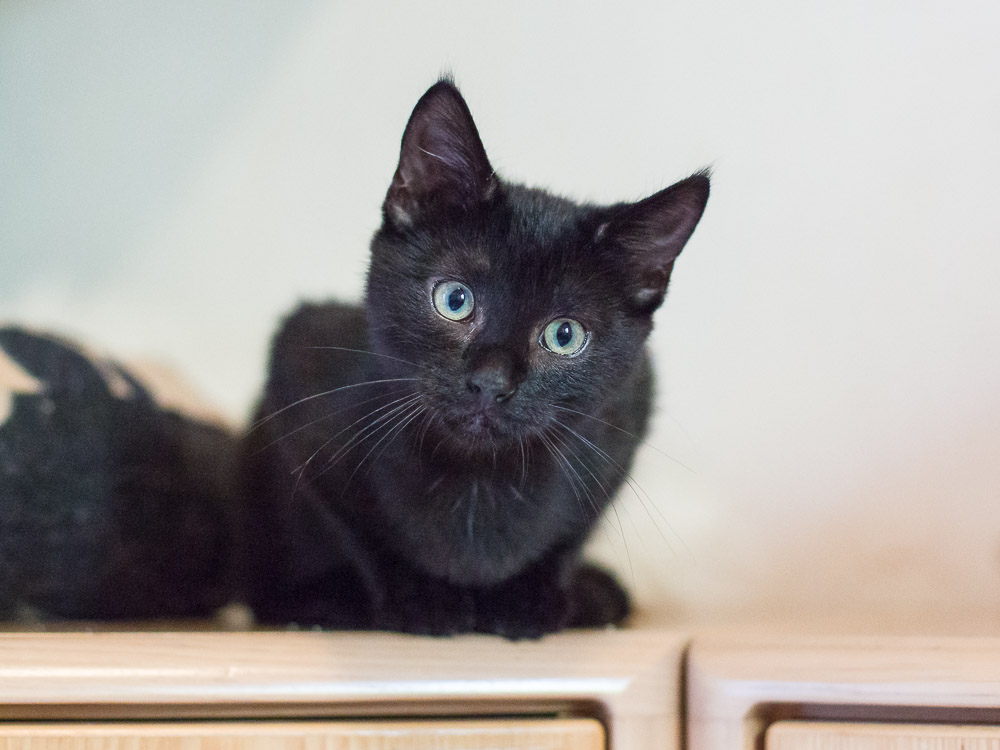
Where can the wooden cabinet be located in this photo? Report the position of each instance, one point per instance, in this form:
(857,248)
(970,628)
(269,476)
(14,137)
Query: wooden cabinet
(326,691)
(746,690)
(785,692)
(805,735)
(455,734)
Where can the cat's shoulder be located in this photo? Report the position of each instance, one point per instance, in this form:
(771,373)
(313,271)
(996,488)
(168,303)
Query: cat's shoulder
(317,339)
(316,324)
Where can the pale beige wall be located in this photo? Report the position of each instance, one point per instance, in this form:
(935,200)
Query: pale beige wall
(175,175)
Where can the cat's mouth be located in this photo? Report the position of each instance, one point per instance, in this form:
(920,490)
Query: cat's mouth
(479,429)
(480,423)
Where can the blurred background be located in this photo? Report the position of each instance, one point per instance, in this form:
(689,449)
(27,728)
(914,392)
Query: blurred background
(174,176)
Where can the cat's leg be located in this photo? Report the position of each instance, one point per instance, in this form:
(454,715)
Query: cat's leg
(529,605)
(336,600)
(300,564)
(596,598)
(418,603)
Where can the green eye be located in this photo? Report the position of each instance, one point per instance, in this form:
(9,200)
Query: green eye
(564,336)
(453,300)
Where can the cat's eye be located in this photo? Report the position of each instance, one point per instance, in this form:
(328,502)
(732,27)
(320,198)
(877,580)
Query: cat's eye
(453,300)
(564,336)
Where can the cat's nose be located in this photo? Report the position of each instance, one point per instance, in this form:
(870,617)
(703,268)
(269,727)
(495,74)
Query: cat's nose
(493,383)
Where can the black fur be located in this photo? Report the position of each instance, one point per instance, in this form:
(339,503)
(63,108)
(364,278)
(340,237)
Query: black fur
(110,507)
(463,509)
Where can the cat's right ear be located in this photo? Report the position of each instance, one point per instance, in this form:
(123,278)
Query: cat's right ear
(442,162)
(646,237)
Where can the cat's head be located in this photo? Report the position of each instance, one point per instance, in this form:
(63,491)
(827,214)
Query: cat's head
(509,303)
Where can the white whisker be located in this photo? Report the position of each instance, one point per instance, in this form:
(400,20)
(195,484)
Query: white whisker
(271,416)
(365,351)
(626,432)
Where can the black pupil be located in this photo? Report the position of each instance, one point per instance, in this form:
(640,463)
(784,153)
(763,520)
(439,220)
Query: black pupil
(456,300)
(564,335)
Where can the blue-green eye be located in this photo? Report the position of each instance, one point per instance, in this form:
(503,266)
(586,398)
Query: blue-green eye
(564,336)
(453,300)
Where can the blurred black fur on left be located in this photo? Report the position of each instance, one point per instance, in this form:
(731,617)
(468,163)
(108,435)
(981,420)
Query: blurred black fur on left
(111,507)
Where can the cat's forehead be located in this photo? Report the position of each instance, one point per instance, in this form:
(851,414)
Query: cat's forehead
(544,218)
(533,233)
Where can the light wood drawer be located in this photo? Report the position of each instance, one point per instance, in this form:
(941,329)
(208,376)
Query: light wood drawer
(515,734)
(804,735)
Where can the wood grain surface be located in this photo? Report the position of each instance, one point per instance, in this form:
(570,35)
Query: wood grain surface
(739,683)
(629,679)
(522,734)
(803,735)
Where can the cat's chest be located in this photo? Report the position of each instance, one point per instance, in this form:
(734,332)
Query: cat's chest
(479,510)
(479,504)
(474,528)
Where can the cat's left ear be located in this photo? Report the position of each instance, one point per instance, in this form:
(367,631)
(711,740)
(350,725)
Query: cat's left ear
(652,233)
(442,162)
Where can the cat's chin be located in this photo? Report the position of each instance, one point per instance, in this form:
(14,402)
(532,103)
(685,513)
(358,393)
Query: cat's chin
(477,434)
(480,426)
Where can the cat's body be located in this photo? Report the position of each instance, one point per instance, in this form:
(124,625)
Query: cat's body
(417,539)
(433,461)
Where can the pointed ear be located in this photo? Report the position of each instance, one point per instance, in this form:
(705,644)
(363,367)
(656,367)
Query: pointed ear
(442,163)
(651,234)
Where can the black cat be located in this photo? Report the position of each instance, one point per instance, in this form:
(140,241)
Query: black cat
(433,461)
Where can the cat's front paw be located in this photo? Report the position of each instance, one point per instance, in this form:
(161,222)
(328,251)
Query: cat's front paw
(432,618)
(526,608)
(596,599)
(426,606)
(334,601)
